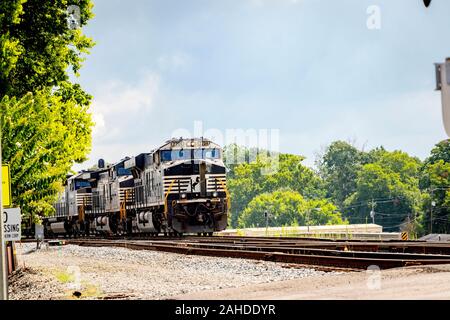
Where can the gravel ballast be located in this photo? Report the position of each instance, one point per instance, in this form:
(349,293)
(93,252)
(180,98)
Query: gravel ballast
(119,273)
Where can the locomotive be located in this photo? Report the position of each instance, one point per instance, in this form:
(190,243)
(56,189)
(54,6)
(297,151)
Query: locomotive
(177,188)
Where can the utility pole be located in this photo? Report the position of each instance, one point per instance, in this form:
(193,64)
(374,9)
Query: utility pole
(372,212)
(266,216)
(433,203)
(307,219)
(3,270)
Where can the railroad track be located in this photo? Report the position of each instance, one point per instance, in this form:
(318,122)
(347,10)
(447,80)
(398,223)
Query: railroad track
(326,253)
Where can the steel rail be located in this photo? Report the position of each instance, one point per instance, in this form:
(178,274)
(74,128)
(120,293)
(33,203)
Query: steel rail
(417,247)
(327,258)
(326,252)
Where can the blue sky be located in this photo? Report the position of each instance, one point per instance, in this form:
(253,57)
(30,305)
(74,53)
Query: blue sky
(310,68)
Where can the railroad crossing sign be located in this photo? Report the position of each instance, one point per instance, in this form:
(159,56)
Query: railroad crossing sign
(12,221)
(6,186)
(404,236)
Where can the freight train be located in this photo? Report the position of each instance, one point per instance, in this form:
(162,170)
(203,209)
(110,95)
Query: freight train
(177,188)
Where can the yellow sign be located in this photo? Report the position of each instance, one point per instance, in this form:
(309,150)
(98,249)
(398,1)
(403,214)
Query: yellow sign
(6,186)
(404,236)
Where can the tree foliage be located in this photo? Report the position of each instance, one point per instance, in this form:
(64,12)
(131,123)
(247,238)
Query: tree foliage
(286,208)
(379,180)
(45,124)
(38,45)
(441,151)
(41,139)
(355,181)
(435,183)
(389,186)
(339,167)
(267,174)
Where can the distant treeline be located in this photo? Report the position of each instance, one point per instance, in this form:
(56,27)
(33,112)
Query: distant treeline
(392,188)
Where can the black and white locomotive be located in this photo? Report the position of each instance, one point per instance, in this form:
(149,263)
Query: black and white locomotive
(177,188)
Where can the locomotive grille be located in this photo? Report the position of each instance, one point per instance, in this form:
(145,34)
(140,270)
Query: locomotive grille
(130,195)
(84,199)
(217,182)
(180,184)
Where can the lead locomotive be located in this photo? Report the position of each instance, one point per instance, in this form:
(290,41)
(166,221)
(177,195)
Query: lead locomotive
(177,188)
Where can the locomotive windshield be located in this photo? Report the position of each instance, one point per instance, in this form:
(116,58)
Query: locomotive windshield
(123,172)
(171,155)
(81,184)
(188,154)
(209,153)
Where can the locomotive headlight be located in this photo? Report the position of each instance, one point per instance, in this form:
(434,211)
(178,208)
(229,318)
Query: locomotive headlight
(183,196)
(215,194)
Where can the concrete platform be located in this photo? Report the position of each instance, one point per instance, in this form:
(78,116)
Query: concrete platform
(434,237)
(350,231)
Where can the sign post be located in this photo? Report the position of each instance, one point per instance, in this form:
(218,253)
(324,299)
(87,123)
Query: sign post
(3,270)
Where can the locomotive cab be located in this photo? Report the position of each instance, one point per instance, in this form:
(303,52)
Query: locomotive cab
(196,198)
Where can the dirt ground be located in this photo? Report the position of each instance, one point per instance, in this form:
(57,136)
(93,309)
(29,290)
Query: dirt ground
(118,273)
(428,282)
(70,271)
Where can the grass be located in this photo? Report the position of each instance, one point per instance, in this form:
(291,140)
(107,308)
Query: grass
(64,277)
(87,290)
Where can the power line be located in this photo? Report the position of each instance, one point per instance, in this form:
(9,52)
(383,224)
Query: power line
(368,202)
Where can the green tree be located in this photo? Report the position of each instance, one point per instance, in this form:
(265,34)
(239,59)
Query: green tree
(268,174)
(45,124)
(41,141)
(287,208)
(339,167)
(441,151)
(39,47)
(435,183)
(391,184)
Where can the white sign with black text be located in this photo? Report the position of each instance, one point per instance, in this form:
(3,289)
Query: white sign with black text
(12,221)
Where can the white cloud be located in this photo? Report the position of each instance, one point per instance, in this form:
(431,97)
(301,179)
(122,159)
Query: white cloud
(99,127)
(174,62)
(117,103)
(117,96)
(116,108)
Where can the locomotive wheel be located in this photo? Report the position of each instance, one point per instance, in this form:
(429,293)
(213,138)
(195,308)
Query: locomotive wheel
(210,234)
(199,234)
